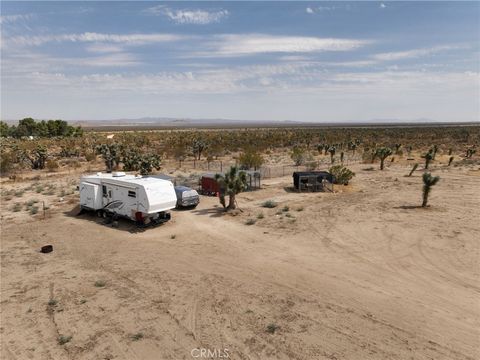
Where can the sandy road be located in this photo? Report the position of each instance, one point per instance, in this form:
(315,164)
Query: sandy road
(357,275)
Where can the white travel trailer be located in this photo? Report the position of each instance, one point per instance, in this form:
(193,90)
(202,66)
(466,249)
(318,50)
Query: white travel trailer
(144,199)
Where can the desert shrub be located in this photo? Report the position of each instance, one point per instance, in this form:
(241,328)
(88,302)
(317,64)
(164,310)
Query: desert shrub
(52,302)
(33,210)
(74,163)
(90,156)
(31,202)
(62,339)
(285,208)
(137,336)
(6,163)
(260,216)
(298,156)
(100,283)
(17,207)
(52,165)
(134,160)
(271,328)
(269,204)
(250,159)
(300,208)
(39,189)
(341,174)
(19,193)
(250,222)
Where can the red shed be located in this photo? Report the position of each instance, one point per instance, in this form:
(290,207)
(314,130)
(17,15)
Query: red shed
(208,185)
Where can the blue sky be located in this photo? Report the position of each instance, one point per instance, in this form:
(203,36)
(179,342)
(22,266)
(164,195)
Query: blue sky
(306,61)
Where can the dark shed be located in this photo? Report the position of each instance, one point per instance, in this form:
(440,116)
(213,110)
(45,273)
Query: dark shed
(311,180)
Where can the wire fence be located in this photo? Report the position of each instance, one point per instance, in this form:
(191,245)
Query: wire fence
(266,171)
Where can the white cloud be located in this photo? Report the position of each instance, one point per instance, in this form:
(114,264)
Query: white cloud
(128,39)
(186,16)
(10,19)
(309,10)
(257,92)
(250,44)
(102,48)
(415,53)
(383,6)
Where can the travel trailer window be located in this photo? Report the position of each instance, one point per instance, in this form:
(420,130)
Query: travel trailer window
(132,193)
(104,191)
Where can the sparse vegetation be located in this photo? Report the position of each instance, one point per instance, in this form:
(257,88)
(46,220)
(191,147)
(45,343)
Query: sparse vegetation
(341,174)
(272,328)
(100,283)
(298,155)
(270,204)
(250,221)
(62,339)
(250,159)
(136,337)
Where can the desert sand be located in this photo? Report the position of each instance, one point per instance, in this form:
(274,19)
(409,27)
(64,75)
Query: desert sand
(362,273)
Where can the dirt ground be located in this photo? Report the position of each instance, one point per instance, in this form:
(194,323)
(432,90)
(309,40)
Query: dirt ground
(362,273)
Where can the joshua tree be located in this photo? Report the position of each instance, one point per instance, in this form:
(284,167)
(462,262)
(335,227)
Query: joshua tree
(198,147)
(298,155)
(37,157)
(250,159)
(450,160)
(428,182)
(111,155)
(353,147)
(133,160)
(332,151)
(428,157)
(341,157)
(409,150)
(231,184)
(469,153)
(434,150)
(413,170)
(383,153)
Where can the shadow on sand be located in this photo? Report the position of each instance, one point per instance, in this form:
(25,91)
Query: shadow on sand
(410,207)
(212,212)
(120,224)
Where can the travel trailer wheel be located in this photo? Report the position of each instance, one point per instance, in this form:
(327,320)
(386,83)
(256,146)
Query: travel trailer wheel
(99,213)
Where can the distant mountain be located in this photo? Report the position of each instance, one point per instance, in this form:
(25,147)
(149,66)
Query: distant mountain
(168,122)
